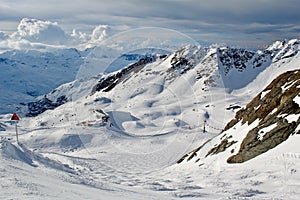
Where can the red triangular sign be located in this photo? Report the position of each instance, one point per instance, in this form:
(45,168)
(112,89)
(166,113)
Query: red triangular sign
(15,117)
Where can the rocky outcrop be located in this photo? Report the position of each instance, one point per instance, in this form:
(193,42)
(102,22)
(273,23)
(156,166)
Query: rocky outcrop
(274,106)
(234,58)
(109,82)
(273,116)
(221,147)
(40,106)
(283,49)
(252,146)
(185,59)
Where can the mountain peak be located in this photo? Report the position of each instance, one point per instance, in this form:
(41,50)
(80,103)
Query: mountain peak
(283,49)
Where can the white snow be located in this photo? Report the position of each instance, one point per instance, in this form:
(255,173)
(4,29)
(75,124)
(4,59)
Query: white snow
(287,85)
(28,74)
(297,100)
(157,117)
(292,118)
(273,111)
(265,130)
(263,94)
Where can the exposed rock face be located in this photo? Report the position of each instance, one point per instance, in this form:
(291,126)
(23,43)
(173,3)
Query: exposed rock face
(38,107)
(186,59)
(273,116)
(232,68)
(240,58)
(221,147)
(283,49)
(108,83)
(274,106)
(234,58)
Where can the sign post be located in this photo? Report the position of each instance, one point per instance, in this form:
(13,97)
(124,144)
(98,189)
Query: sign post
(15,119)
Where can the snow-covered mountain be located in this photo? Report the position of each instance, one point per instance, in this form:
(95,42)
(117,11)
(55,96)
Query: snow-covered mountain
(28,74)
(133,57)
(204,75)
(161,108)
(266,122)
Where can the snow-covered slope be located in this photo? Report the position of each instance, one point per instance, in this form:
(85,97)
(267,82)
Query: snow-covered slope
(264,135)
(267,121)
(157,107)
(194,77)
(28,74)
(186,81)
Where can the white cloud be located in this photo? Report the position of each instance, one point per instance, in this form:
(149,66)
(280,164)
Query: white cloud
(35,30)
(46,35)
(85,40)
(262,21)
(99,33)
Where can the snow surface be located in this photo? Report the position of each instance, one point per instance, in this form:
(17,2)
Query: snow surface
(121,167)
(28,74)
(263,94)
(157,116)
(292,117)
(271,72)
(297,100)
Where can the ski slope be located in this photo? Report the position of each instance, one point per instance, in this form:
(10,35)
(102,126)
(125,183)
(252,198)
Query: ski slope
(157,115)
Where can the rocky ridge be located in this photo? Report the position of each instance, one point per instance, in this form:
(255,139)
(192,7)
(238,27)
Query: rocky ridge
(277,112)
(271,117)
(232,68)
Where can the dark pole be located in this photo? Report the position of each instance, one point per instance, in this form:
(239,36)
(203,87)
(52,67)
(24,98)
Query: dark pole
(16,124)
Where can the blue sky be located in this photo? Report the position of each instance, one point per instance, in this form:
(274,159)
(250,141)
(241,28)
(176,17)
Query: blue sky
(245,23)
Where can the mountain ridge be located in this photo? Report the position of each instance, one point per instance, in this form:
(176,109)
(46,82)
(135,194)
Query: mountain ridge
(272,116)
(190,78)
(128,138)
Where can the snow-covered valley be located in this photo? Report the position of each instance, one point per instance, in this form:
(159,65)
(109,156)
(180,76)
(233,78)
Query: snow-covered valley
(160,108)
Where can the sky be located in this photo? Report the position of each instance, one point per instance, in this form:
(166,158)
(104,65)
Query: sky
(242,23)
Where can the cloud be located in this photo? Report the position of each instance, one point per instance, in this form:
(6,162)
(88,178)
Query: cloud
(86,40)
(99,33)
(39,34)
(266,18)
(38,31)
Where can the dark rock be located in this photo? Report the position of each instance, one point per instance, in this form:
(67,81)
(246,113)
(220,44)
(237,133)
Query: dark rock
(40,106)
(182,158)
(106,84)
(272,108)
(237,58)
(221,147)
(281,93)
(233,107)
